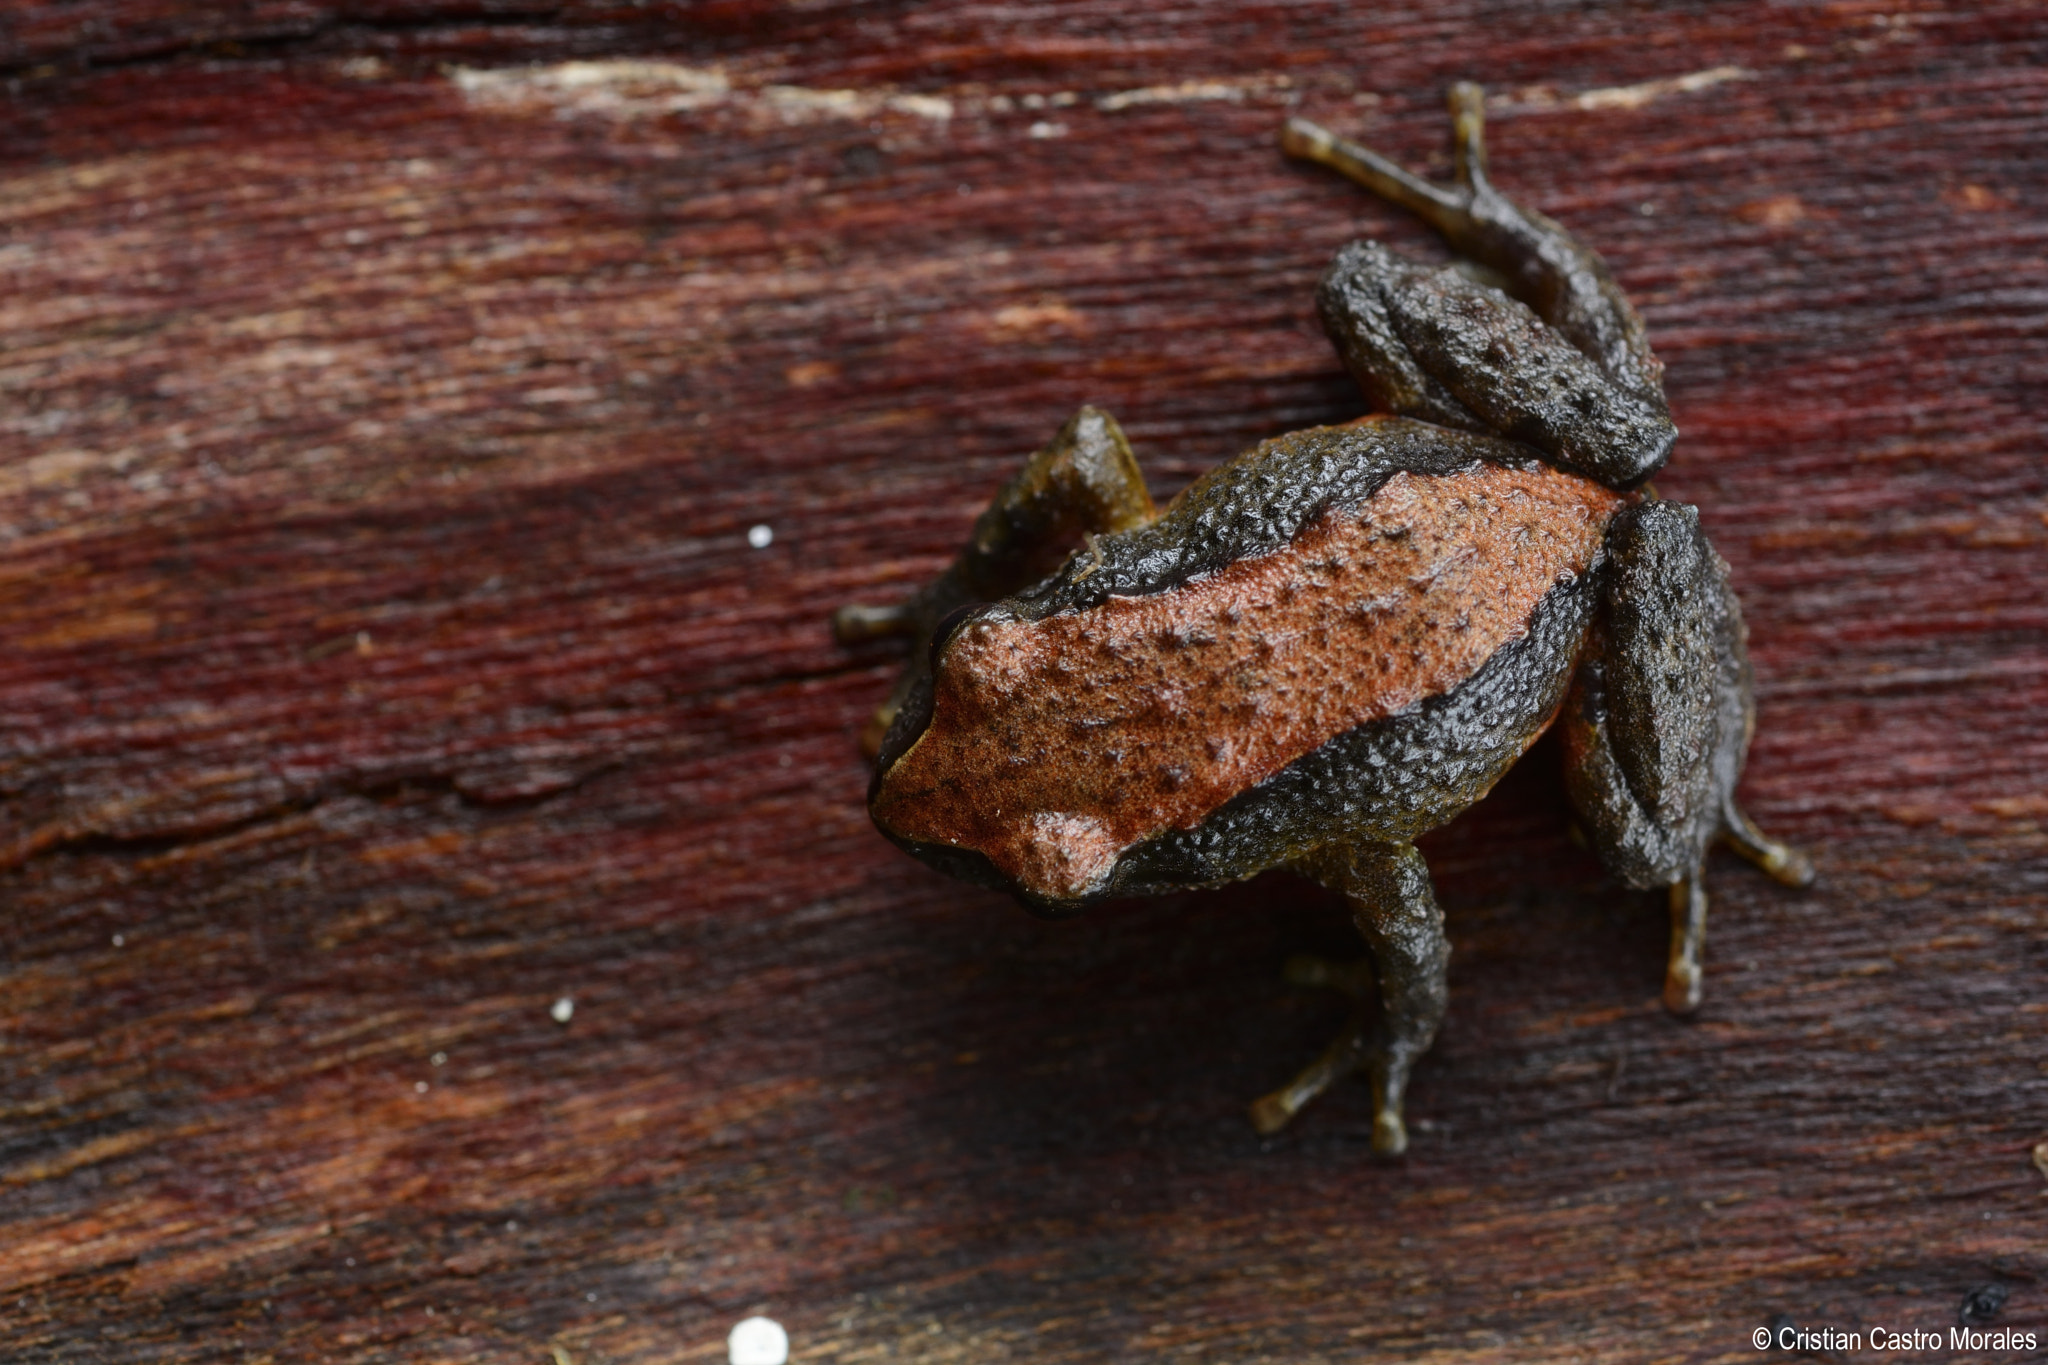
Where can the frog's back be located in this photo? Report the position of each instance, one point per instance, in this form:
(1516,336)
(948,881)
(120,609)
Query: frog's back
(1372,619)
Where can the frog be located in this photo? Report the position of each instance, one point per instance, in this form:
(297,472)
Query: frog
(1343,637)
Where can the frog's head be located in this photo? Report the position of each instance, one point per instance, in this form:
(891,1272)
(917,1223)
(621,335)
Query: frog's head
(946,786)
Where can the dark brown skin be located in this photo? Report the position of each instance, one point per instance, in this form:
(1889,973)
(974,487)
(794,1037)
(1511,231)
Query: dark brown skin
(1344,637)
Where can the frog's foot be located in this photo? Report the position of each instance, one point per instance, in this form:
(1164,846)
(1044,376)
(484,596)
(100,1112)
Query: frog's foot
(1357,1047)
(1345,1054)
(1387,886)
(1781,862)
(1689,902)
(1350,1051)
(1447,209)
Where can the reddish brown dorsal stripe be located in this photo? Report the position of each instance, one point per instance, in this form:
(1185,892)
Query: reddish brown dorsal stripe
(1054,745)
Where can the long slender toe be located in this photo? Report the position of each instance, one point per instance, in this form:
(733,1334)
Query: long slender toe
(1682,974)
(1389,1133)
(1345,1054)
(1321,973)
(1781,862)
(1682,988)
(854,622)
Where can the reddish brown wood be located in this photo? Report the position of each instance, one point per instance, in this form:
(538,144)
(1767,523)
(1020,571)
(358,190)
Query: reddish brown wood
(381,420)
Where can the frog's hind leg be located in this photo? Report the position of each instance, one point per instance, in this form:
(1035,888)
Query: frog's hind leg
(1388,890)
(1657,725)
(1084,483)
(1547,350)
(1539,261)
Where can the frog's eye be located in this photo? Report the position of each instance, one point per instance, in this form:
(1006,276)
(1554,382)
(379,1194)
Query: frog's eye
(949,624)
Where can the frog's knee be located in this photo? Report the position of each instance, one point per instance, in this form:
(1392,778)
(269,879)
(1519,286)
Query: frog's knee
(1351,301)
(1523,379)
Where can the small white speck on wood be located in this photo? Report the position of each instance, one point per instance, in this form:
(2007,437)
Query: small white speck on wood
(761,537)
(758,1341)
(563,1010)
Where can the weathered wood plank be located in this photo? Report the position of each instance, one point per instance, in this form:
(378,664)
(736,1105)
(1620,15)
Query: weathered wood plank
(381,418)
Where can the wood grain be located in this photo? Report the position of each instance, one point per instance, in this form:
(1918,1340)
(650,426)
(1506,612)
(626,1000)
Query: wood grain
(386,391)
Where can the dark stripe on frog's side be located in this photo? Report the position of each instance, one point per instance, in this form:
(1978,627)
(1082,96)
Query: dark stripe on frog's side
(1387,780)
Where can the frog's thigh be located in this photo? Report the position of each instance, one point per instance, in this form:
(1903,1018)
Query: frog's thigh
(1656,724)
(1523,380)
(1395,909)
(1664,604)
(1351,301)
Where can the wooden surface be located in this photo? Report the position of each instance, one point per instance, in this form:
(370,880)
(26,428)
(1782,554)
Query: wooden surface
(384,404)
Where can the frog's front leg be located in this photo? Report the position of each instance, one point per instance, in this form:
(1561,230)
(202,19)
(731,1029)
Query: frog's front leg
(1085,482)
(1658,723)
(1388,889)
(1555,356)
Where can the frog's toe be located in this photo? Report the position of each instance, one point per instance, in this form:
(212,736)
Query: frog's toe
(1789,867)
(854,622)
(1682,987)
(1271,1113)
(1781,862)
(1322,973)
(1682,972)
(872,733)
(1389,1133)
(1346,1053)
